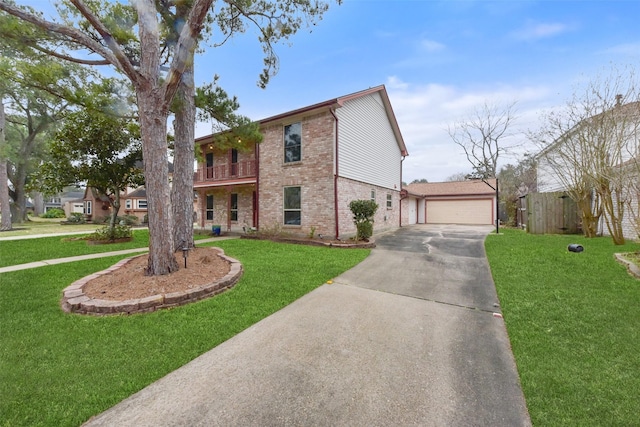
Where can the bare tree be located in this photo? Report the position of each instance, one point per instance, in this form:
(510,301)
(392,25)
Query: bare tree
(482,136)
(588,147)
(458,176)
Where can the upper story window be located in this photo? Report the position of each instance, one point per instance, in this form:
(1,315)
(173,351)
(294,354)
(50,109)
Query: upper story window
(293,142)
(142,204)
(127,204)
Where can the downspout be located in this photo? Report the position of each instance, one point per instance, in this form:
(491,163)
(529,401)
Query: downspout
(400,219)
(335,178)
(257,212)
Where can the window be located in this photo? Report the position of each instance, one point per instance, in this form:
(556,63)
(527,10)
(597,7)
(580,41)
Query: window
(389,201)
(292,206)
(127,204)
(88,208)
(234,206)
(209,207)
(373,195)
(209,165)
(293,142)
(234,162)
(142,204)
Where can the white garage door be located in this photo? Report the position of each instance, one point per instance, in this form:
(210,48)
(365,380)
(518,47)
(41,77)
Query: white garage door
(460,211)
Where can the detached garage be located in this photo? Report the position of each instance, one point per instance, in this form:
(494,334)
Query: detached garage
(465,202)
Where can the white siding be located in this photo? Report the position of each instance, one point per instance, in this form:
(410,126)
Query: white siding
(367,147)
(548,181)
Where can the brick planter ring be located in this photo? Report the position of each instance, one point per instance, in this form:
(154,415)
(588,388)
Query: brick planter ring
(75,301)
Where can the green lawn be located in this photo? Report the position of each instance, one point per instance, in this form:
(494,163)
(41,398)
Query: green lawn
(59,369)
(13,252)
(574,324)
(37,225)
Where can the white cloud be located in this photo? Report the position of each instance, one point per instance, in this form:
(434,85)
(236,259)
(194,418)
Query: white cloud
(623,49)
(431,46)
(424,113)
(535,31)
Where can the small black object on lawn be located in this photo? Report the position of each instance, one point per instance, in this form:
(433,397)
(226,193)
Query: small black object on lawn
(574,247)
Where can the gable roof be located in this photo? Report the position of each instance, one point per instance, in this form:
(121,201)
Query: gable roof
(334,103)
(139,193)
(474,187)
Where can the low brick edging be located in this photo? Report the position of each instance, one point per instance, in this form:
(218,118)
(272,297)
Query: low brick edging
(631,267)
(75,301)
(370,244)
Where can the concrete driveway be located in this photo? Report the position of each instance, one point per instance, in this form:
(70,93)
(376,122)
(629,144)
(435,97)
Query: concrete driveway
(411,336)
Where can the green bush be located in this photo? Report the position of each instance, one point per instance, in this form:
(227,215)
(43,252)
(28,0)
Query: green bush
(363,212)
(122,220)
(76,218)
(128,220)
(53,213)
(107,233)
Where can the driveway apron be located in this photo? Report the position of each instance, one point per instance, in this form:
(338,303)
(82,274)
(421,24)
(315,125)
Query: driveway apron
(410,336)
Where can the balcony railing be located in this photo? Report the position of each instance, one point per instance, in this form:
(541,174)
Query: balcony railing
(230,171)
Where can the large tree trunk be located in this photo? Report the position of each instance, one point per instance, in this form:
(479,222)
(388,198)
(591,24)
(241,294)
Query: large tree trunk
(153,127)
(19,206)
(5,209)
(183,158)
(38,202)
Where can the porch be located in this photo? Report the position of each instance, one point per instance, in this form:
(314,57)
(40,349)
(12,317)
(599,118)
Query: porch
(244,170)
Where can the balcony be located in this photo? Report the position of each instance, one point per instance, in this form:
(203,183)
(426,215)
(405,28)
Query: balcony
(228,172)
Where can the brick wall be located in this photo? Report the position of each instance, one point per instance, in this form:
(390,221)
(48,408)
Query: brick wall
(314,174)
(385,219)
(220,201)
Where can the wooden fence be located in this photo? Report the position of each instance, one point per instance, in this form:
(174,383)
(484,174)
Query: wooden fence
(549,213)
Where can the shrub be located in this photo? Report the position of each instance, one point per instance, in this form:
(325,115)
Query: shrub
(107,233)
(363,212)
(122,220)
(53,213)
(76,218)
(128,220)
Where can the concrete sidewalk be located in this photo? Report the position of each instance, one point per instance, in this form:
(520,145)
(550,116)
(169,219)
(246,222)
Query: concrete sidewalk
(411,336)
(54,261)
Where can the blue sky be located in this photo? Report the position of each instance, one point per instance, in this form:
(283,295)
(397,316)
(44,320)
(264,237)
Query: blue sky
(439,60)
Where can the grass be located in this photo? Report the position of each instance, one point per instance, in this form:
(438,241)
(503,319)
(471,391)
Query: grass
(37,225)
(13,252)
(574,325)
(60,369)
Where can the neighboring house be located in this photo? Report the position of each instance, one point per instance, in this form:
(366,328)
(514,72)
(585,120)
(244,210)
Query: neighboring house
(616,130)
(68,201)
(72,202)
(96,206)
(135,203)
(462,202)
(311,164)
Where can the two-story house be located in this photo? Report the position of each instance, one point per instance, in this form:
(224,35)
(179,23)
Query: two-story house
(311,164)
